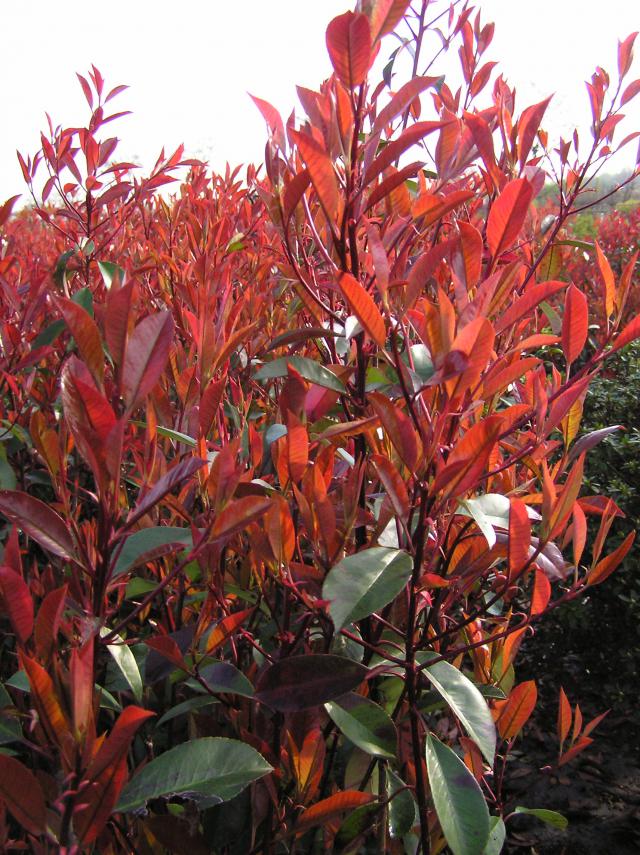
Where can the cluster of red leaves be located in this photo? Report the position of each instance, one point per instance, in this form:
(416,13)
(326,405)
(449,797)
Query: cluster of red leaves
(286,457)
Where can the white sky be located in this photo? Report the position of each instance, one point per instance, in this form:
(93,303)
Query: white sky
(191,64)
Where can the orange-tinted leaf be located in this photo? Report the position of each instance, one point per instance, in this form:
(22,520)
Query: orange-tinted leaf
(470,267)
(272,118)
(398,427)
(297,447)
(606,566)
(225,629)
(349,46)
(17,602)
(565,716)
(507,216)
(363,307)
(393,484)
(321,172)
(82,683)
(328,809)
(580,745)
(469,458)
(575,323)
(20,790)
(517,710)
(541,592)
(46,702)
(608,281)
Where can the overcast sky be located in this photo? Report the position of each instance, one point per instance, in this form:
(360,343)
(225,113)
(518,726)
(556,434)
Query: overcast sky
(191,64)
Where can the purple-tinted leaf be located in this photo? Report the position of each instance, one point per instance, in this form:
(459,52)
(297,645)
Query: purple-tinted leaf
(300,682)
(589,440)
(38,521)
(146,356)
(169,480)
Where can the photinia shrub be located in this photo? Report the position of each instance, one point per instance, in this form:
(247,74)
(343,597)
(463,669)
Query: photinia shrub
(292,464)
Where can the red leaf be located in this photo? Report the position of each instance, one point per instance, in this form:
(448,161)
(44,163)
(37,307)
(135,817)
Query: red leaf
(238,514)
(384,16)
(147,354)
(393,484)
(392,151)
(17,602)
(528,128)
(517,710)
(326,810)
(469,458)
(628,334)
(625,54)
(349,46)
(581,744)
(605,567)
(575,323)
(470,266)
(398,427)
(401,100)
(118,321)
(519,536)
(364,308)
(168,648)
(532,297)
(87,337)
(82,683)
(183,470)
(507,216)
(39,521)
(630,92)
(300,682)
(22,794)
(48,622)
(272,118)
(50,713)
(321,172)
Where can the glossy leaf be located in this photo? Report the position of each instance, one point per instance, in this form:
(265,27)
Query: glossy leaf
(223,677)
(18,603)
(517,709)
(364,308)
(467,704)
(365,723)
(39,521)
(126,662)
(146,355)
(550,817)
(362,583)
(458,800)
(497,836)
(210,770)
(349,46)
(507,216)
(327,809)
(144,545)
(301,682)
(575,323)
(402,807)
(307,368)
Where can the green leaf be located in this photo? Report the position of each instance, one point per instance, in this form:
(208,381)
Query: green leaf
(169,433)
(365,723)
(402,807)
(225,677)
(497,836)
(147,540)
(110,271)
(361,584)
(467,703)
(186,707)
(107,701)
(310,370)
(209,770)
(126,662)
(458,800)
(48,335)
(10,730)
(551,817)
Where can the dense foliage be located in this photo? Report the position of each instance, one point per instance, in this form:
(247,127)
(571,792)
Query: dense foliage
(293,464)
